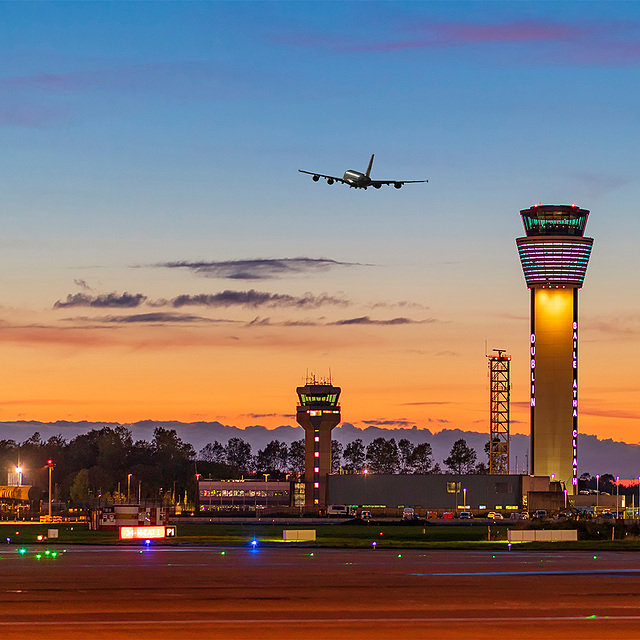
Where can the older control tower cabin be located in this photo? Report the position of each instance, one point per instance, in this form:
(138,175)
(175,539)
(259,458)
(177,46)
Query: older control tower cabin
(554,256)
(318,413)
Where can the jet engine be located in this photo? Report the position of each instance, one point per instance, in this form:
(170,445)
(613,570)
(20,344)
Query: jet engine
(397,185)
(316,178)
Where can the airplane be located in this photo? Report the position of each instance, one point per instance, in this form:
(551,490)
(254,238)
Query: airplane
(359,180)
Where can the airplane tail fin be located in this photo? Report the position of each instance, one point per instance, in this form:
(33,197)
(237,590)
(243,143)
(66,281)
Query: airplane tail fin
(370,165)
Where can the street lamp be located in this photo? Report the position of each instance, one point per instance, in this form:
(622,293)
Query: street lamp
(129,488)
(638,495)
(464,493)
(597,492)
(19,472)
(617,495)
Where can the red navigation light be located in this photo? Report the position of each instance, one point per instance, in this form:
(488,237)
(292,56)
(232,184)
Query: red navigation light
(50,463)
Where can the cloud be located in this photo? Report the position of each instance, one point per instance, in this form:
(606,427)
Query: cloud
(154,318)
(401,422)
(82,284)
(254,298)
(192,78)
(575,42)
(366,320)
(418,404)
(108,300)
(32,116)
(259,268)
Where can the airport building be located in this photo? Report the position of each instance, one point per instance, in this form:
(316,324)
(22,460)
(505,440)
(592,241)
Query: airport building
(554,256)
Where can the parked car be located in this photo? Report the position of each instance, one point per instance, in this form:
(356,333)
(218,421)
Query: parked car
(540,513)
(466,515)
(496,515)
(431,515)
(408,513)
(447,515)
(365,515)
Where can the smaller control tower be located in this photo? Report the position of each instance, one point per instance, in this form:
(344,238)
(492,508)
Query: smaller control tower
(318,413)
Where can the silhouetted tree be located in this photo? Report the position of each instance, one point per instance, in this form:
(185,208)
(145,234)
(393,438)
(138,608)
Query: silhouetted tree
(462,458)
(296,457)
(238,454)
(273,458)
(405,451)
(213,452)
(382,456)
(354,456)
(336,456)
(421,458)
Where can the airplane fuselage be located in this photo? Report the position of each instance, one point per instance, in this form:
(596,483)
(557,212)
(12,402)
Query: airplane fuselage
(356,179)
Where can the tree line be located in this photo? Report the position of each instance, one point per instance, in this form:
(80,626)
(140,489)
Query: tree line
(106,464)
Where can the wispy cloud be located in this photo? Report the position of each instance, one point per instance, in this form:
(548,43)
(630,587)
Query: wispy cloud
(108,300)
(193,78)
(400,422)
(254,298)
(558,42)
(258,268)
(152,318)
(419,404)
(366,320)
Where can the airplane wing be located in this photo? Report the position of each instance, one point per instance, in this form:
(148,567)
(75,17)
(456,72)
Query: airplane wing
(394,182)
(317,176)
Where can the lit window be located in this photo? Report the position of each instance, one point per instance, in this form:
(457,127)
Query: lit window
(316,485)
(317,439)
(316,454)
(316,469)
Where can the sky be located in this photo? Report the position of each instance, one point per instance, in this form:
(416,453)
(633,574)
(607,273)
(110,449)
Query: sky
(161,257)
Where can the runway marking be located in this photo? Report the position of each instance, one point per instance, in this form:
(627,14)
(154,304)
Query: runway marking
(325,621)
(544,572)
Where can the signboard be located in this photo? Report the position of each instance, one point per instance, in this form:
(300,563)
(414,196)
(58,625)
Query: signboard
(146,533)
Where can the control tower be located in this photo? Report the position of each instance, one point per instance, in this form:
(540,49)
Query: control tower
(554,256)
(318,413)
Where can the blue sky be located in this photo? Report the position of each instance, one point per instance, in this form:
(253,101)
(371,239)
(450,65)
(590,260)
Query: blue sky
(141,134)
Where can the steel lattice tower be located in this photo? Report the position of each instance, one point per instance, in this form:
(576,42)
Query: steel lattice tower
(499,374)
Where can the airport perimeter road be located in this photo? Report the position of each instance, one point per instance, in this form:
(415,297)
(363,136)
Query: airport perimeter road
(294,593)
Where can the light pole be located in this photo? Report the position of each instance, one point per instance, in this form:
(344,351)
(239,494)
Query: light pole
(464,499)
(129,487)
(565,499)
(638,496)
(50,465)
(597,492)
(617,495)
(266,490)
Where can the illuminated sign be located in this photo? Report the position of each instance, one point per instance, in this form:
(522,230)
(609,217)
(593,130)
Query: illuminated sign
(574,479)
(145,533)
(533,369)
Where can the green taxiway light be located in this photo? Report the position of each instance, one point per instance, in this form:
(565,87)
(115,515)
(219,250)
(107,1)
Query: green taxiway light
(47,552)
(222,553)
(39,555)
(22,551)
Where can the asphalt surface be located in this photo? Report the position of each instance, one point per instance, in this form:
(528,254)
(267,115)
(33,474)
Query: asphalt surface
(283,593)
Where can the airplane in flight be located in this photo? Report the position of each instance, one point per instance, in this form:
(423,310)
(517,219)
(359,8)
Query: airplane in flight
(359,180)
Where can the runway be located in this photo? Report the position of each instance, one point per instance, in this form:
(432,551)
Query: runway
(281,593)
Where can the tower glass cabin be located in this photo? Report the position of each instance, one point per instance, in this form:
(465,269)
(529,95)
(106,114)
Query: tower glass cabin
(318,412)
(554,257)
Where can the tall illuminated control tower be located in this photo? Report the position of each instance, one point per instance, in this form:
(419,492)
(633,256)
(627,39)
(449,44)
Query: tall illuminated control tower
(554,257)
(318,413)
